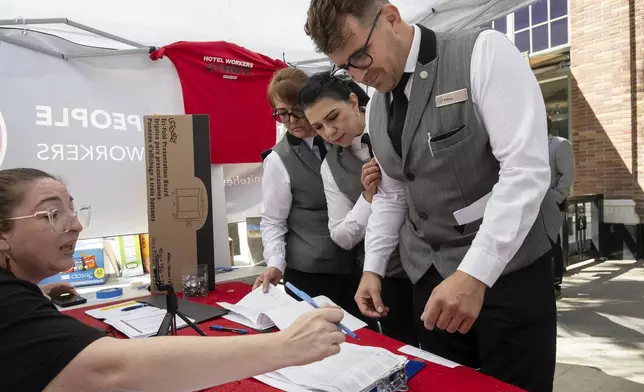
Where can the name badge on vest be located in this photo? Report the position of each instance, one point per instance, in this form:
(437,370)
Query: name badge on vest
(451,98)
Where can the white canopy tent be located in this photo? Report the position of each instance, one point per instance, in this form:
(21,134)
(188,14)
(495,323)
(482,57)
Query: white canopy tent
(273,28)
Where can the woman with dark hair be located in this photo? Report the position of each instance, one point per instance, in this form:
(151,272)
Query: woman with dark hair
(294,225)
(42,349)
(335,107)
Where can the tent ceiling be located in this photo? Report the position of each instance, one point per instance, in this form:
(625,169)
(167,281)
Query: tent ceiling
(272,27)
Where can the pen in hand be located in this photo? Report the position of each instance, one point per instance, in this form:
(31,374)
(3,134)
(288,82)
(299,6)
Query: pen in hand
(305,297)
(227,329)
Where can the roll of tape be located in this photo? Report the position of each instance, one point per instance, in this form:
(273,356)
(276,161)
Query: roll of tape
(109,293)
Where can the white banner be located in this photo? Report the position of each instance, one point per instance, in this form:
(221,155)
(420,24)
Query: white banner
(82,120)
(243,184)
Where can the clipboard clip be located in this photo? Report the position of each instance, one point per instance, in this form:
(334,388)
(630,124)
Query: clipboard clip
(395,382)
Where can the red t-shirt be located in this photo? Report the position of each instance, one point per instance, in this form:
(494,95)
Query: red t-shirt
(228,83)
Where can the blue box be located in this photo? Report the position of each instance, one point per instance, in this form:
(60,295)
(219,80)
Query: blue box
(88,269)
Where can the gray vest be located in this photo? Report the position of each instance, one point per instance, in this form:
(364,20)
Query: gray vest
(459,170)
(309,247)
(346,169)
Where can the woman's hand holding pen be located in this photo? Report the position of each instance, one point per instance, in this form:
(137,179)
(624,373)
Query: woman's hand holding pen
(313,336)
(370,179)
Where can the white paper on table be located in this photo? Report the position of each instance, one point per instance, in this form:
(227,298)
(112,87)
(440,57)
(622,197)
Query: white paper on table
(276,381)
(355,368)
(112,311)
(427,356)
(143,322)
(285,316)
(254,306)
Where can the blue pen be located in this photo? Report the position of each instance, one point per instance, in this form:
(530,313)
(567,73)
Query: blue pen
(227,329)
(133,307)
(305,297)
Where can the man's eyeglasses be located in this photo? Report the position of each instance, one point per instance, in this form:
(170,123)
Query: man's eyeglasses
(61,220)
(361,59)
(284,116)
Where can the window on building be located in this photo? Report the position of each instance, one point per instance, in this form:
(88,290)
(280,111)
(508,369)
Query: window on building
(541,26)
(500,24)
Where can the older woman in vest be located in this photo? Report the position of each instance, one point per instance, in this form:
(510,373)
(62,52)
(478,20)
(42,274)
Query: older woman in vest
(294,226)
(335,107)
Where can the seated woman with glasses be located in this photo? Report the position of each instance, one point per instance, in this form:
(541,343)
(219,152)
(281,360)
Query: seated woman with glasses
(43,349)
(335,106)
(294,226)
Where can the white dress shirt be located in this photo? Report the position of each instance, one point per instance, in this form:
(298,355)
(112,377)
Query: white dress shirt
(276,206)
(508,102)
(347,220)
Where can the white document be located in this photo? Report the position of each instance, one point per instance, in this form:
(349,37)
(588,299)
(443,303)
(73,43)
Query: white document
(285,316)
(276,381)
(354,369)
(427,356)
(143,322)
(250,311)
(261,311)
(472,212)
(111,311)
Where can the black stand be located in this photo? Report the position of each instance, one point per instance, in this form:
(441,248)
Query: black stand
(169,323)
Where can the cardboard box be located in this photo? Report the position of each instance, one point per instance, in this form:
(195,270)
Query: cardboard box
(179,195)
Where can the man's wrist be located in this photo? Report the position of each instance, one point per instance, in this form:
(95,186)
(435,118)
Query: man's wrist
(276,262)
(369,274)
(375,265)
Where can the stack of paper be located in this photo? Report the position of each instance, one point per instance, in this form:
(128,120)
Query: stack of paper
(251,310)
(141,322)
(354,369)
(261,311)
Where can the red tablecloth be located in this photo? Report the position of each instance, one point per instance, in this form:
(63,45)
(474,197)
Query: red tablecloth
(432,378)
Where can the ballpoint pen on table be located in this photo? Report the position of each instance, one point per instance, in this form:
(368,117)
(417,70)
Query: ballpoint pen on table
(228,329)
(305,297)
(133,307)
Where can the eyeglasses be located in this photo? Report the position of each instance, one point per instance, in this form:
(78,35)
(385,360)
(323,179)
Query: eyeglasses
(61,221)
(284,116)
(361,59)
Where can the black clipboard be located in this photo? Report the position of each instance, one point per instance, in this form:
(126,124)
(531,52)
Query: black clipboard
(196,311)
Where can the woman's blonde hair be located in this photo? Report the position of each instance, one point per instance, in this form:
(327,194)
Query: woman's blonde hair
(285,85)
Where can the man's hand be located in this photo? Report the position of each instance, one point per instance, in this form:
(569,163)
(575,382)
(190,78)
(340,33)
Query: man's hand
(370,179)
(55,290)
(454,304)
(271,275)
(368,296)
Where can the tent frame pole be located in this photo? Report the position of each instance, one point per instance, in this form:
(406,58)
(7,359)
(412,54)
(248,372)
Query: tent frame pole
(35,48)
(24,22)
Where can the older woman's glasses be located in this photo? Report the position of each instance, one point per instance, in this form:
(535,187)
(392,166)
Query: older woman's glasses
(284,116)
(62,220)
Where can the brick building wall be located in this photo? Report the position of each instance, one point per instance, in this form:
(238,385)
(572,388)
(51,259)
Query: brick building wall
(637,30)
(607,55)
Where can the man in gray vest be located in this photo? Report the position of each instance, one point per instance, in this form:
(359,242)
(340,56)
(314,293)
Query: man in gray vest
(562,168)
(458,126)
